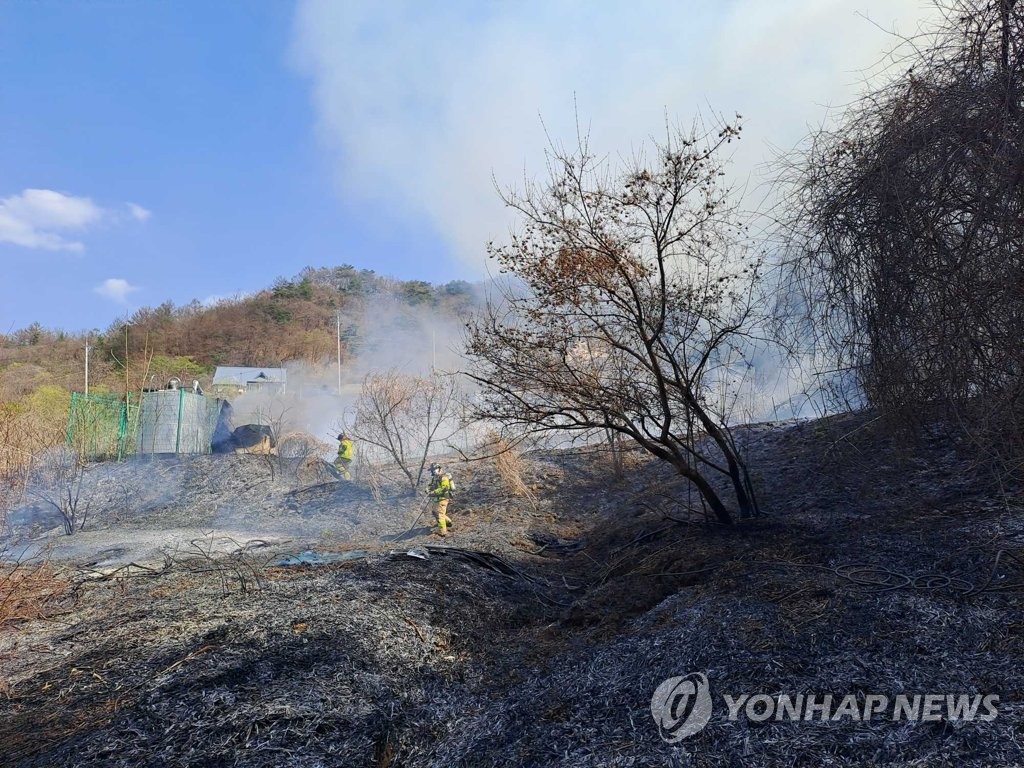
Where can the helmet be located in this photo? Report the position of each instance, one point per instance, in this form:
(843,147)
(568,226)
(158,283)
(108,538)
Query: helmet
(435,468)
(342,436)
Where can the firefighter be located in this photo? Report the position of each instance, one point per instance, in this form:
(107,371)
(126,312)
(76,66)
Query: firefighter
(346,453)
(440,490)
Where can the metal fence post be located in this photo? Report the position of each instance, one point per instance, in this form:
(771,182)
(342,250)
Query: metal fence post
(177,434)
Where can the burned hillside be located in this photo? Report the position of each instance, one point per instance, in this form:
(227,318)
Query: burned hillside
(291,621)
(716,467)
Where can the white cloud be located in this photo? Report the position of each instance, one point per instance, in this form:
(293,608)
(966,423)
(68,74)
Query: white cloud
(422,102)
(43,218)
(116,289)
(35,218)
(138,212)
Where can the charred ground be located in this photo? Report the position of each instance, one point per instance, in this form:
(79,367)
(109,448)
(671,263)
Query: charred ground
(876,569)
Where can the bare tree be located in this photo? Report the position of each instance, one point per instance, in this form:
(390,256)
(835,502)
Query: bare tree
(906,228)
(407,417)
(302,453)
(632,291)
(274,413)
(57,482)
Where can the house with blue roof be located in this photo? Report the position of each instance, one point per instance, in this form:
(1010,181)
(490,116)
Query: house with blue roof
(234,380)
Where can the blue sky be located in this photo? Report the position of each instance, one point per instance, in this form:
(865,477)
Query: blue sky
(191,111)
(154,150)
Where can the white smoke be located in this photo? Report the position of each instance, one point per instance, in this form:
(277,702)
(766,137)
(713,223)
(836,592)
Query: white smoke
(390,335)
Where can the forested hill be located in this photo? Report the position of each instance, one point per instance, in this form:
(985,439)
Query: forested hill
(295,319)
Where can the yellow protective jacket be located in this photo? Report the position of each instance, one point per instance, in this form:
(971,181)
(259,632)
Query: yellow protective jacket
(441,487)
(346,451)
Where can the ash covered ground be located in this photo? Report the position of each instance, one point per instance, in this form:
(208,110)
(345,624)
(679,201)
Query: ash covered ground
(537,632)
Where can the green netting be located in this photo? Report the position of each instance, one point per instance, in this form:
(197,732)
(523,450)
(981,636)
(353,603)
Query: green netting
(107,427)
(177,421)
(102,427)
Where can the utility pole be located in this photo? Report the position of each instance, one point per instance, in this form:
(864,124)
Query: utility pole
(87,348)
(126,362)
(338,317)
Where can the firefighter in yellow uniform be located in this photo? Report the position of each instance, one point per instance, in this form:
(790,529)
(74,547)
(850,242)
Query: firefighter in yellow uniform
(346,453)
(440,490)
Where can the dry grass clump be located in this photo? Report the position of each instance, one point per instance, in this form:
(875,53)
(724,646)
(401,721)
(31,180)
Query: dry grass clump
(372,475)
(511,466)
(29,591)
(30,426)
(301,445)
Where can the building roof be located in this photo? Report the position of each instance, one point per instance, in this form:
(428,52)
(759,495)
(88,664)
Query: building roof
(229,374)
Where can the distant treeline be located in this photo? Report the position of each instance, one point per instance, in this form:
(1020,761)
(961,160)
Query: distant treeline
(295,319)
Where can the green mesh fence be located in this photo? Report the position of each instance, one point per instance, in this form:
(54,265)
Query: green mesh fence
(106,427)
(177,421)
(102,427)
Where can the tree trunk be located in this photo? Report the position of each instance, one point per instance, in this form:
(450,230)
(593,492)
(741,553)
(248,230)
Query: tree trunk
(747,505)
(722,513)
